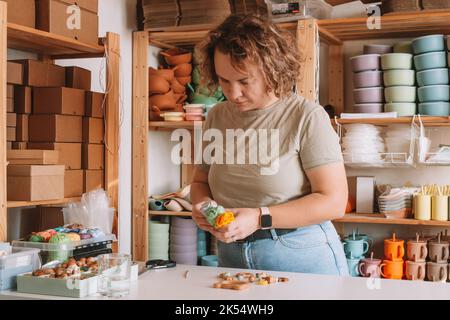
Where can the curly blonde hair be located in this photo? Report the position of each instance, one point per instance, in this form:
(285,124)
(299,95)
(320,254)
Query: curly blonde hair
(254,39)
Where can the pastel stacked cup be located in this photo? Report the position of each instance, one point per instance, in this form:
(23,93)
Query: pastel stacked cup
(355,248)
(158,240)
(183,241)
(399,81)
(438,254)
(195,112)
(367,83)
(432,75)
(392,266)
(416,253)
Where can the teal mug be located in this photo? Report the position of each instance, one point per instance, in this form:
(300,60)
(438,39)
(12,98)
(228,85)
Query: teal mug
(353,266)
(355,247)
(156,205)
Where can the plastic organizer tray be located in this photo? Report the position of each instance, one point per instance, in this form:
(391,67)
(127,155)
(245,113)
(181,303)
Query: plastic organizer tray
(18,261)
(79,249)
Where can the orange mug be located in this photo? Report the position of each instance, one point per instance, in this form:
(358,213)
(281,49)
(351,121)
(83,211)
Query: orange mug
(394,249)
(392,269)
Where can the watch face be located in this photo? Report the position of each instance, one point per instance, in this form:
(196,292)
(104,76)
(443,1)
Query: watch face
(266,221)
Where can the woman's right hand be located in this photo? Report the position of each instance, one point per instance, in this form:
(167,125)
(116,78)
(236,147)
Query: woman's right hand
(200,219)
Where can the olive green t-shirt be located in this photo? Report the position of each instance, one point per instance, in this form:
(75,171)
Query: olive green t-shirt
(306,139)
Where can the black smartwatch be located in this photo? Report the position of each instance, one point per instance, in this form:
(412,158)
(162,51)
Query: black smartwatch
(265,220)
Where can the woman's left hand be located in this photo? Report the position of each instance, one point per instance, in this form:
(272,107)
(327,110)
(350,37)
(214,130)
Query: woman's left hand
(246,223)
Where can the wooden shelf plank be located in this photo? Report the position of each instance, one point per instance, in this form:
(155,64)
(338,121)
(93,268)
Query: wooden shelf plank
(167,125)
(20,204)
(392,26)
(42,42)
(429,121)
(170,213)
(380,219)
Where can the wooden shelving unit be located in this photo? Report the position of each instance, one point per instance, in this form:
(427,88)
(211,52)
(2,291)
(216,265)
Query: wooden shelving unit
(48,47)
(381,219)
(170,213)
(333,32)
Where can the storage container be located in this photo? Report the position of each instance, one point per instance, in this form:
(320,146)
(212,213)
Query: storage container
(62,252)
(18,261)
(291,10)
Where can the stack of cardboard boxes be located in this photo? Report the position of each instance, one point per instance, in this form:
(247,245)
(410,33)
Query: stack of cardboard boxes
(57,111)
(76,19)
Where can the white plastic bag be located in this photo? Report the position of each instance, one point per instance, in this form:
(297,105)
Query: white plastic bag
(92,212)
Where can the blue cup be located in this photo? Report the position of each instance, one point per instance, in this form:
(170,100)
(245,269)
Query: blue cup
(353,266)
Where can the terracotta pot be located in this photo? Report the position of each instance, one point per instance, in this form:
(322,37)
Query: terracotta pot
(158,84)
(178,87)
(184,80)
(183,70)
(167,74)
(163,101)
(176,56)
(180,98)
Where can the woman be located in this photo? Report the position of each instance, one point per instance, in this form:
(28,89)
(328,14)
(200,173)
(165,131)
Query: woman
(282,209)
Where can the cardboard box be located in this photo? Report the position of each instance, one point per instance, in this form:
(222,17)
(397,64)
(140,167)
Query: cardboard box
(14,73)
(93,180)
(32,157)
(78,78)
(73,183)
(58,101)
(23,100)
(69,153)
(22,128)
(94,104)
(56,17)
(9,105)
(10,91)
(22,12)
(50,218)
(93,130)
(58,128)
(35,183)
(41,74)
(363,190)
(10,134)
(93,156)
(19,145)
(11,119)
(89,5)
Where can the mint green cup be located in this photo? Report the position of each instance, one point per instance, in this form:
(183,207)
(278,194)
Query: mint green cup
(400,94)
(399,78)
(403,109)
(392,61)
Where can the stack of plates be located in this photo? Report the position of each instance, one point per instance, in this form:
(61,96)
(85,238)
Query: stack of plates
(158,240)
(362,143)
(396,203)
(398,141)
(183,241)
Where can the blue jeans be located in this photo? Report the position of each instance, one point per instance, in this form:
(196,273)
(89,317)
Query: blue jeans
(312,249)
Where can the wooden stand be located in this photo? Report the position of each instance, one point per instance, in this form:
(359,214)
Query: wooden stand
(49,47)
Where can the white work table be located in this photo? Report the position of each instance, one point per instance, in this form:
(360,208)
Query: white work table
(171,284)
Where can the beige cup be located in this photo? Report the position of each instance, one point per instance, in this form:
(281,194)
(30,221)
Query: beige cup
(438,251)
(439,208)
(416,251)
(437,272)
(415,270)
(422,207)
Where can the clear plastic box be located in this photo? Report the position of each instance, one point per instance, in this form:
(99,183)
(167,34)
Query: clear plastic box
(291,10)
(18,261)
(62,252)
